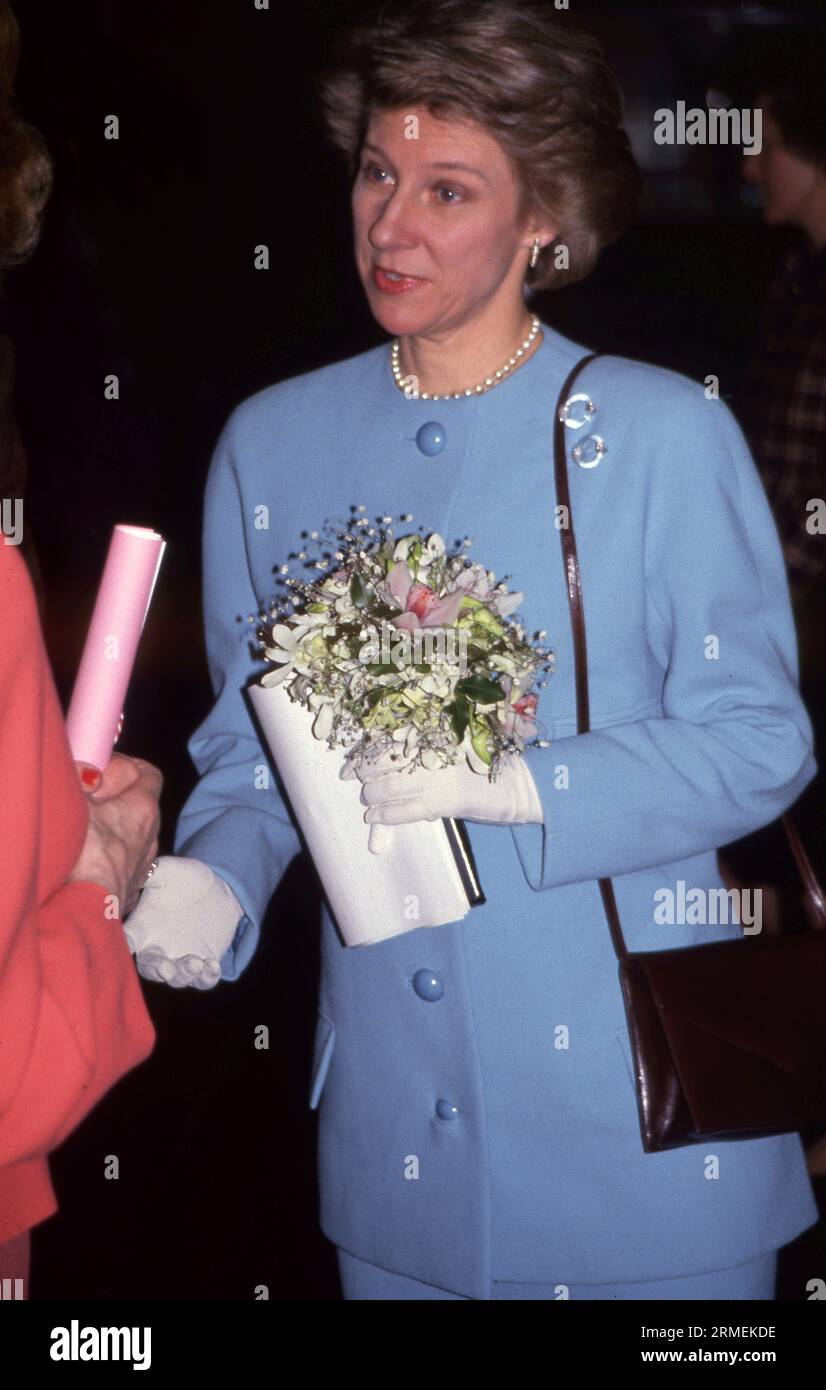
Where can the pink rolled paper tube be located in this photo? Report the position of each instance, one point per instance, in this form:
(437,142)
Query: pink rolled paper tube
(129,576)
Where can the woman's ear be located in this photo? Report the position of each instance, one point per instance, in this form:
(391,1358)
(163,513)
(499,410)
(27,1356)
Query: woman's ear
(546,232)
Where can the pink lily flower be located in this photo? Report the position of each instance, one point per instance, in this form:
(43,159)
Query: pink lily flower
(421,606)
(518,719)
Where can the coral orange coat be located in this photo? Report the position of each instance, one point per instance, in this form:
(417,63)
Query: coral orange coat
(72,1016)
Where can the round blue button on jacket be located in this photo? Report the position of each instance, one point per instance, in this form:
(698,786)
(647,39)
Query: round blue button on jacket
(431,438)
(428,985)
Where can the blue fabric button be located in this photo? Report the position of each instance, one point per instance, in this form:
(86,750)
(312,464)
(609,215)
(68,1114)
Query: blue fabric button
(446,1111)
(428,985)
(431,438)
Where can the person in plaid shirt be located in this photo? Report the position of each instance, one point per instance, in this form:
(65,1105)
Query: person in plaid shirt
(782,406)
(781,400)
(781,403)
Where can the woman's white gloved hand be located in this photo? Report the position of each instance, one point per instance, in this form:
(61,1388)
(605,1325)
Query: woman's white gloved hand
(185,920)
(416,793)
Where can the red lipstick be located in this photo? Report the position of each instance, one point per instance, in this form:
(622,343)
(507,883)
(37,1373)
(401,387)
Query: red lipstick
(383,281)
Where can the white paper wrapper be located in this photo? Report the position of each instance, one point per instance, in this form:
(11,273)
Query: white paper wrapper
(414,882)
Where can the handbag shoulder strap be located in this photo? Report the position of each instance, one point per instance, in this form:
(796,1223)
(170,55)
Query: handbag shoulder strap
(813,889)
(574,587)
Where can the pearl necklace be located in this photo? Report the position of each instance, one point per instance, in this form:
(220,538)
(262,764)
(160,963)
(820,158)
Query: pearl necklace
(489,381)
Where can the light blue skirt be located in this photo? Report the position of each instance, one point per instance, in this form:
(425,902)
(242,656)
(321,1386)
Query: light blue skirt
(753,1280)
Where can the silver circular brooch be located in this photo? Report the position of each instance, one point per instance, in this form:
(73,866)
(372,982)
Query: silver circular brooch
(590,451)
(590,411)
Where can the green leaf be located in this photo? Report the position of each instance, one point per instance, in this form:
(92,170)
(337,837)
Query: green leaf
(479,688)
(485,619)
(459,710)
(481,740)
(475,652)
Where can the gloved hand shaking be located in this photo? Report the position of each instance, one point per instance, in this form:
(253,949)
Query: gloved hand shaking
(185,920)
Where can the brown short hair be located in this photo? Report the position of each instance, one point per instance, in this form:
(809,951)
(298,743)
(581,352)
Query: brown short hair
(25,166)
(537,83)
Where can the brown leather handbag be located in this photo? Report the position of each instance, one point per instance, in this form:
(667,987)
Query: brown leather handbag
(729,1039)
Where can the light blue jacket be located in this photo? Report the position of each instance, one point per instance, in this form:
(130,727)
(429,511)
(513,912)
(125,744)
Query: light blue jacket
(479,1115)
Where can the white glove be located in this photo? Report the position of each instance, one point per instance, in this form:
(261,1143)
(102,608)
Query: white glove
(417,793)
(185,920)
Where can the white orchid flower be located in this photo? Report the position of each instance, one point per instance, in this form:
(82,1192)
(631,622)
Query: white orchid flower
(431,759)
(475,581)
(401,549)
(500,662)
(434,684)
(506,603)
(323,722)
(287,646)
(278,674)
(433,549)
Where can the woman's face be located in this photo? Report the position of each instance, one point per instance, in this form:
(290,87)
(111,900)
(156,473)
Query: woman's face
(787,181)
(437,202)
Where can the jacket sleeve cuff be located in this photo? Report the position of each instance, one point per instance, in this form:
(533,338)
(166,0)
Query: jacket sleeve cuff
(240,951)
(236,847)
(529,831)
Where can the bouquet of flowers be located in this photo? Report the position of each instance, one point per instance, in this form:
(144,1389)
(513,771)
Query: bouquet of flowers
(401,649)
(407,644)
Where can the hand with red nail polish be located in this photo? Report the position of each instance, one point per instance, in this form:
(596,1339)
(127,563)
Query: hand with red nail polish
(90,777)
(122,835)
(120,773)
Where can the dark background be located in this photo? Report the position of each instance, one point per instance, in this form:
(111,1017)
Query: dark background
(145,269)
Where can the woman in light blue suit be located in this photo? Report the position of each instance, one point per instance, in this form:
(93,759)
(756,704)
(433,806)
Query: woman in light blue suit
(478,1127)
